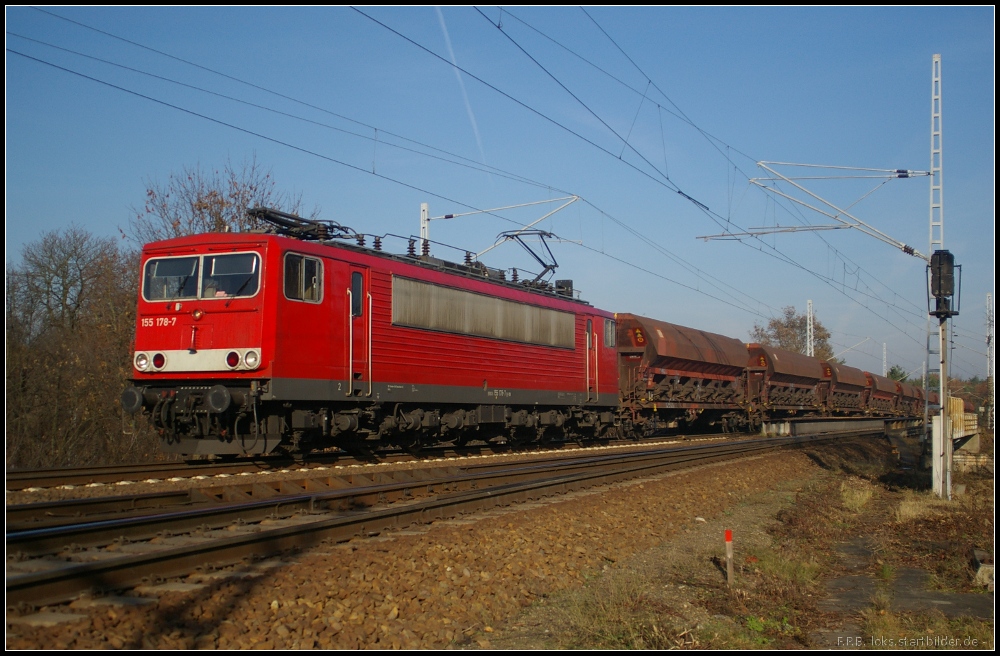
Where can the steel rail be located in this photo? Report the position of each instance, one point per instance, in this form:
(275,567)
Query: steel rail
(79,476)
(46,587)
(18,480)
(22,517)
(42,514)
(31,517)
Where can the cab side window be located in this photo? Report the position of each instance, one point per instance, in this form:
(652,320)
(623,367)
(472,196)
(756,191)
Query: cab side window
(357,290)
(303,278)
(610,333)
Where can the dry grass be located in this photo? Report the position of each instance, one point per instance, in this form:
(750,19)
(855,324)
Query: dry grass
(616,612)
(930,630)
(773,564)
(855,493)
(889,630)
(938,535)
(770,603)
(879,620)
(778,580)
(916,505)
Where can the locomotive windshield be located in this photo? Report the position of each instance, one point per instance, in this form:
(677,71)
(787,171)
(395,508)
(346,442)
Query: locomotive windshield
(230,275)
(205,276)
(167,279)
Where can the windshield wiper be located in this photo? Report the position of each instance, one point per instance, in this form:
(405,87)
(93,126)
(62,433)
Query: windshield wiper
(180,287)
(240,290)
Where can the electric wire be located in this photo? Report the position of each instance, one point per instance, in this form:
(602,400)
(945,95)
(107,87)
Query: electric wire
(339,115)
(708,136)
(695,202)
(467,163)
(257,134)
(735,301)
(711,138)
(473,165)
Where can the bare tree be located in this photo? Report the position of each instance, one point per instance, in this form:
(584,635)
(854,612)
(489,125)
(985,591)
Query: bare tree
(60,272)
(195,201)
(70,318)
(70,321)
(790,332)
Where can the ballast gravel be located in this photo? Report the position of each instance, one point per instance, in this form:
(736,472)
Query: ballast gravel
(448,584)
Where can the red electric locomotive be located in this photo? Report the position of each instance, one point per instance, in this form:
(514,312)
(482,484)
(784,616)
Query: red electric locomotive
(298,339)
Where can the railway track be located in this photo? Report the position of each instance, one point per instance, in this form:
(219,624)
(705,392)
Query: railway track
(108,548)
(71,477)
(83,476)
(227,488)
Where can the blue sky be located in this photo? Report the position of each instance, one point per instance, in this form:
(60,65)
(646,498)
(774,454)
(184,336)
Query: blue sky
(655,117)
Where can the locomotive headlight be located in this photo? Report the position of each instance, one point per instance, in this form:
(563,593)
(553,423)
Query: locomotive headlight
(251,359)
(232,359)
(141,361)
(158,361)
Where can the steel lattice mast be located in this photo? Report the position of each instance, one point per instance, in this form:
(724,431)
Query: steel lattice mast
(940,440)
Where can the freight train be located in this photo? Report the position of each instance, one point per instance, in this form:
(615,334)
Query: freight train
(301,337)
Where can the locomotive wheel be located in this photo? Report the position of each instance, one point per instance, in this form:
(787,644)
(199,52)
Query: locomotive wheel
(520,437)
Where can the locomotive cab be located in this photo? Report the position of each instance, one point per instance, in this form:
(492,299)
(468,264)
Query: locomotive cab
(199,355)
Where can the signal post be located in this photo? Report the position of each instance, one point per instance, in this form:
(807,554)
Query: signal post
(942,270)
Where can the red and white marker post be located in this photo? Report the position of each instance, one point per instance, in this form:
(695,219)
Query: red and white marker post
(729,556)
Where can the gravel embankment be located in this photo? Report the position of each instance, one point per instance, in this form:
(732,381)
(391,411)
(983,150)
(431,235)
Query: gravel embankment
(443,585)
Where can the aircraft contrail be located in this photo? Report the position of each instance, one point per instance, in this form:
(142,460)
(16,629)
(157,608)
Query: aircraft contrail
(461,84)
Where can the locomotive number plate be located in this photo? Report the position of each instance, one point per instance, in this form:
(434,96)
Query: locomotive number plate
(159,322)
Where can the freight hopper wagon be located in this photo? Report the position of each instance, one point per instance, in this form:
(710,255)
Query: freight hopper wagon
(782,383)
(883,397)
(292,339)
(911,399)
(671,374)
(843,389)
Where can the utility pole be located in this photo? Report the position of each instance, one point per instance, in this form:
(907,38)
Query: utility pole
(426,218)
(989,362)
(809,329)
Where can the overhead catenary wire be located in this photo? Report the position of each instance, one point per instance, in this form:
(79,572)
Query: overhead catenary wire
(697,203)
(472,163)
(843,289)
(769,250)
(735,301)
(250,132)
(458,160)
(712,139)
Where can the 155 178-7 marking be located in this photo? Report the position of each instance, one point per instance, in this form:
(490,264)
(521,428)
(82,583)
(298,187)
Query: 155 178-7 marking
(159,322)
